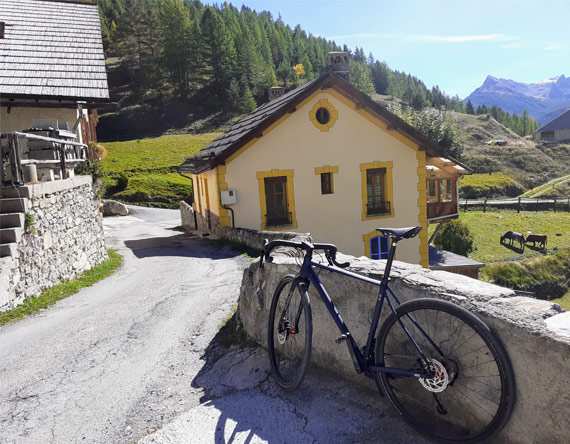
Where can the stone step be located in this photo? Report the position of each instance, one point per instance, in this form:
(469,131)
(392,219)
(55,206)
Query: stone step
(13,205)
(9,235)
(12,220)
(8,250)
(15,191)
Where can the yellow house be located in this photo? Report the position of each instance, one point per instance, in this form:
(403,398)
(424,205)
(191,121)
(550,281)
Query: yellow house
(325,159)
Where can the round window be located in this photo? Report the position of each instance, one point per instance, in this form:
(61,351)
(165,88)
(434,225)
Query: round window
(323,116)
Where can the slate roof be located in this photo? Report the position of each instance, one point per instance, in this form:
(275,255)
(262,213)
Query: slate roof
(52,50)
(442,259)
(252,125)
(560,123)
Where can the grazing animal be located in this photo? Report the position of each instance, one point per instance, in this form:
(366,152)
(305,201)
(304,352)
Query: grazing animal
(537,238)
(512,237)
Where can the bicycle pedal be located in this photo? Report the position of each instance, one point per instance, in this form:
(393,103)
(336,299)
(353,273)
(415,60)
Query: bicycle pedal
(341,338)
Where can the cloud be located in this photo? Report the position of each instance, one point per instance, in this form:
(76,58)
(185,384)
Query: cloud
(430,37)
(553,48)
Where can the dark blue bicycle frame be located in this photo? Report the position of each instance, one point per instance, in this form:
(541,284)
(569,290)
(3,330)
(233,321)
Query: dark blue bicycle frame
(362,362)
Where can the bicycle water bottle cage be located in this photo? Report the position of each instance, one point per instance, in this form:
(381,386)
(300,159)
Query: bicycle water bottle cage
(400,233)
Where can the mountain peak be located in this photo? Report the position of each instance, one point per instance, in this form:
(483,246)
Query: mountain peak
(540,99)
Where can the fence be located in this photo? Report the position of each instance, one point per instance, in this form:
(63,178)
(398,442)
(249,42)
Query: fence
(518,204)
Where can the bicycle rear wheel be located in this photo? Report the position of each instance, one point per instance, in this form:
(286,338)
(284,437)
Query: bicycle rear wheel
(290,331)
(471,396)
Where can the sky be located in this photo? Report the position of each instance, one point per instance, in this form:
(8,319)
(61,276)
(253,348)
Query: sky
(451,43)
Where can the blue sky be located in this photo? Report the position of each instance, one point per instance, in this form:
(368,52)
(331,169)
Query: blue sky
(452,43)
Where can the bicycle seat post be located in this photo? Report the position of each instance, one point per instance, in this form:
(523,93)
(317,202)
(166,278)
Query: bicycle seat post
(389,261)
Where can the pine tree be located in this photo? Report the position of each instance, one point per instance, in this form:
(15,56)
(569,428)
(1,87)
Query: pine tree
(360,77)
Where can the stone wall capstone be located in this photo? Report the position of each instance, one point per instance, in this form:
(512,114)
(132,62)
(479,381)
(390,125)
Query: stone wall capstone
(64,238)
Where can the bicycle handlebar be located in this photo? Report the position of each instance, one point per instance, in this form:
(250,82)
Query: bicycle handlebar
(329,249)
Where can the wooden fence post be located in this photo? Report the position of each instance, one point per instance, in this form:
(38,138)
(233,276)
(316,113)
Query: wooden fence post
(485,206)
(554,205)
(519,206)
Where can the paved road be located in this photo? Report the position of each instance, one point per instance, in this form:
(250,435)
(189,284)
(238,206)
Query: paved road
(133,359)
(116,360)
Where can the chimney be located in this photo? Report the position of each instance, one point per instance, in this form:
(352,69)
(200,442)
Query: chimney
(339,63)
(2,27)
(275,92)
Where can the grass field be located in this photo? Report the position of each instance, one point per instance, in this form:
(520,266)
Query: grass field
(487,229)
(143,171)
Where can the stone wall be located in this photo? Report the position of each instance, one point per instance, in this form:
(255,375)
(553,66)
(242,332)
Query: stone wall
(65,238)
(540,357)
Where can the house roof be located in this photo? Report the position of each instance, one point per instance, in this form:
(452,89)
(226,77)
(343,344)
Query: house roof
(442,259)
(253,125)
(52,50)
(560,123)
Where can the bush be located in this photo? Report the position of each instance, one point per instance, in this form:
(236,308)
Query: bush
(547,276)
(455,237)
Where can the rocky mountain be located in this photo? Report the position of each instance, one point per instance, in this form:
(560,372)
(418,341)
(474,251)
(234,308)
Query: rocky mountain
(544,100)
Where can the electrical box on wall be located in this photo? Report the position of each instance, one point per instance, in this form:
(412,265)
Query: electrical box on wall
(229,197)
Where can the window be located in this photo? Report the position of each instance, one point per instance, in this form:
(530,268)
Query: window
(379,247)
(376,202)
(440,190)
(276,201)
(323,116)
(377,190)
(448,190)
(326,183)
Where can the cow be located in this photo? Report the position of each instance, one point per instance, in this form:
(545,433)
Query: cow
(512,237)
(537,238)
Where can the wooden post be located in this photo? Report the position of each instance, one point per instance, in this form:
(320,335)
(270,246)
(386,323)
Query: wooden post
(519,206)
(554,206)
(62,160)
(466,205)
(15,159)
(485,206)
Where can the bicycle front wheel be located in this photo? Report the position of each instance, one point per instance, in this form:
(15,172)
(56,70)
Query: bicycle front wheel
(471,395)
(290,331)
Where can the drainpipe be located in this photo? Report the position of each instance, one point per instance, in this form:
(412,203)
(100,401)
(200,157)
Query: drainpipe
(191,203)
(230,209)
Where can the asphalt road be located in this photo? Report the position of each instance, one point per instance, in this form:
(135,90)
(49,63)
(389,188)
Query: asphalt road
(116,361)
(132,359)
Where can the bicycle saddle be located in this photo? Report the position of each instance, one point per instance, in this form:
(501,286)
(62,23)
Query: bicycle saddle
(400,233)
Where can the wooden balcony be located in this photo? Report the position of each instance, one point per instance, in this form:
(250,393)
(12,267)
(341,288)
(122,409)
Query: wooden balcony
(438,211)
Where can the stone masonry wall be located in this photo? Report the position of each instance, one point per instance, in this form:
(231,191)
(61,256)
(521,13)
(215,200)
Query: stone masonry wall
(540,357)
(65,239)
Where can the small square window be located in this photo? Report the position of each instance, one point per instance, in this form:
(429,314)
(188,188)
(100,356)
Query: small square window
(326,183)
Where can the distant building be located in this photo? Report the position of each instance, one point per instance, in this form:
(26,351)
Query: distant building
(557,130)
(52,66)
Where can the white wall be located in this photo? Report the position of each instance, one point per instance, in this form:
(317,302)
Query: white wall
(337,218)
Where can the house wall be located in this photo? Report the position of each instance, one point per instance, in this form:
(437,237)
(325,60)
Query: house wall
(562,134)
(20,118)
(296,144)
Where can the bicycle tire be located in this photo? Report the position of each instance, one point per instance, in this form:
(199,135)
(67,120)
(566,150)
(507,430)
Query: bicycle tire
(290,342)
(468,403)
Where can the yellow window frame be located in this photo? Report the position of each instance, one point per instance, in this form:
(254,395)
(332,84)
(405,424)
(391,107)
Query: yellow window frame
(327,169)
(333,115)
(389,194)
(261,175)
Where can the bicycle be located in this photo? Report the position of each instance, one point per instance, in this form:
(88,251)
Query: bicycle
(439,364)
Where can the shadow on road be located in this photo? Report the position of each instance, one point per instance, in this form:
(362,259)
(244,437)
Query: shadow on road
(181,246)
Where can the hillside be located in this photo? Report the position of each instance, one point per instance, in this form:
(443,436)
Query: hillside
(521,159)
(543,100)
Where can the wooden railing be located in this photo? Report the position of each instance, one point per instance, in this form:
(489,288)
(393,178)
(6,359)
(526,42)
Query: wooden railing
(17,161)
